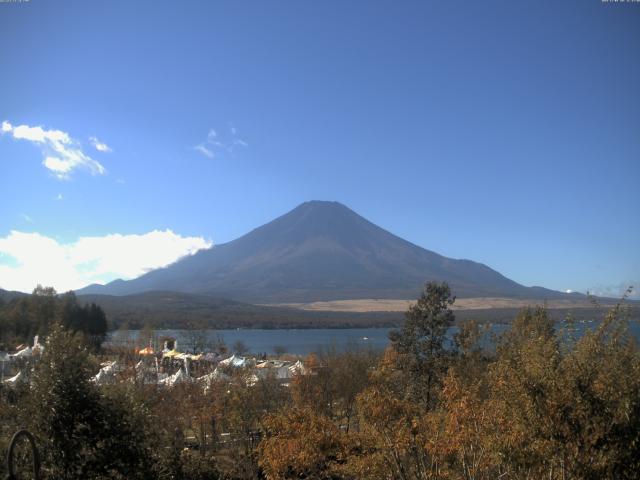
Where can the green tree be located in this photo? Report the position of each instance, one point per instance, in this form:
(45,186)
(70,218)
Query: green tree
(83,433)
(25,317)
(89,319)
(421,341)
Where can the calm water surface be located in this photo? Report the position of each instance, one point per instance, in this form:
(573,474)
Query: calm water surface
(303,341)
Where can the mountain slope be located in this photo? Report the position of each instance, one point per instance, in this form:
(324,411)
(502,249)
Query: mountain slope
(320,251)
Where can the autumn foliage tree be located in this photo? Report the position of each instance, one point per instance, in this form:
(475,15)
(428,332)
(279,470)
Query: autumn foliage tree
(301,443)
(535,402)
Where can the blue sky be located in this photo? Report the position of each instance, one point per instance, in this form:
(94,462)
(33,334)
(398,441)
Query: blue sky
(504,132)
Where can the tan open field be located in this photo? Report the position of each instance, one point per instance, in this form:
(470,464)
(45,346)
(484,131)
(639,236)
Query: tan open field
(392,305)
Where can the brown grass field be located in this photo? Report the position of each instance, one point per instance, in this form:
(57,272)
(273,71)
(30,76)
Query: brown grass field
(398,305)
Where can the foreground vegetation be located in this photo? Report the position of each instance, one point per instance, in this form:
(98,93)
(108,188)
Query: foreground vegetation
(534,403)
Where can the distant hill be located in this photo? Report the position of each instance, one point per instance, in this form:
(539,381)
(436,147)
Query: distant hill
(186,310)
(175,310)
(321,251)
(6,295)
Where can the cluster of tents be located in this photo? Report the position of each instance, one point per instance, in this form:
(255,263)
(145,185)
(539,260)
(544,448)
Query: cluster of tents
(154,368)
(23,353)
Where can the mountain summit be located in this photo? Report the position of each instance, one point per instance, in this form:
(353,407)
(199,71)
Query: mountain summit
(320,251)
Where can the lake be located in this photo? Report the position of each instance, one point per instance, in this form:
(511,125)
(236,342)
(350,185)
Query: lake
(304,341)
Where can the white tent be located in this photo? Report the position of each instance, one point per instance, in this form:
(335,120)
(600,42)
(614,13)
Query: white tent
(24,353)
(38,348)
(107,373)
(111,367)
(298,368)
(179,377)
(102,378)
(271,364)
(215,376)
(146,373)
(284,373)
(234,361)
(14,380)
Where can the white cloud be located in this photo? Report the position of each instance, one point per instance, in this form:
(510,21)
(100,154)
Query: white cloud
(62,154)
(236,141)
(59,197)
(38,259)
(204,150)
(100,146)
(215,145)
